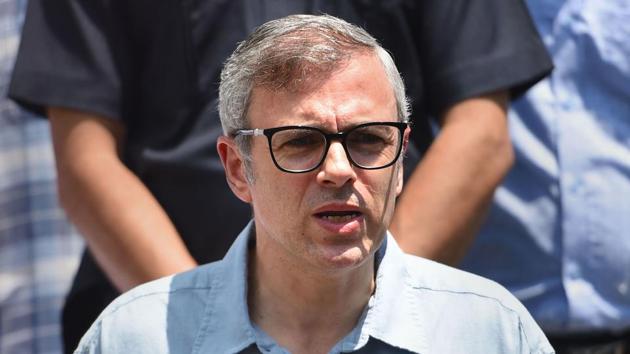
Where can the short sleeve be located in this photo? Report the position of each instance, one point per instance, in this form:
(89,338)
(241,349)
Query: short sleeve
(468,48)
(71,55)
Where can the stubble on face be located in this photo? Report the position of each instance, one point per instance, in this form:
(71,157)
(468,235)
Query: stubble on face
(304,245)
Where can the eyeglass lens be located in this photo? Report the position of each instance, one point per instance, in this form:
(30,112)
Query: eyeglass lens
(371,146)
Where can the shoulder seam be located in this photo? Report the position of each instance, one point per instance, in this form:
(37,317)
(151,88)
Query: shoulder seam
(469,293)
(140,296)
(513,311)
(92,339)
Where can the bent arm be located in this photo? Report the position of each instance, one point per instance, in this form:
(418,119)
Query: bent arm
(448,194)
(125,228)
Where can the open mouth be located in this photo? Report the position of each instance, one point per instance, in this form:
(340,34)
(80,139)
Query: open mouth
(338,216)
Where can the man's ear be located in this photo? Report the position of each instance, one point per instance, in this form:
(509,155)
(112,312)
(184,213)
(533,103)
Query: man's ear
(234,166)
(399,182)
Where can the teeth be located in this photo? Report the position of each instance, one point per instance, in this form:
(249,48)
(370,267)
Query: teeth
(339,218)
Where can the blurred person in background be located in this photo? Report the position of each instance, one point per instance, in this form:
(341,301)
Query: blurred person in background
(558,234)
(39,250)
(130,88)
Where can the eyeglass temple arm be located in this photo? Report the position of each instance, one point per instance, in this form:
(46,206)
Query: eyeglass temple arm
(254,132)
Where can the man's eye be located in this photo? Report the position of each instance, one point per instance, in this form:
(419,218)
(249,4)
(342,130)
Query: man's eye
(367,139)
(298,140)
(303,141)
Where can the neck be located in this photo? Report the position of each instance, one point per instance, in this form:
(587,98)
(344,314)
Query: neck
(306,309)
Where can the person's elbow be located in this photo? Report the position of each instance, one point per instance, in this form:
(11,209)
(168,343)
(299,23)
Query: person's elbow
(498,151)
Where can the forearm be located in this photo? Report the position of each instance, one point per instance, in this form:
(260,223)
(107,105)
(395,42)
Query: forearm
(445,200)
(126,230)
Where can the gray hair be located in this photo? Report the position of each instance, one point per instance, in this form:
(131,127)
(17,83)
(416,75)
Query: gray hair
(288,53)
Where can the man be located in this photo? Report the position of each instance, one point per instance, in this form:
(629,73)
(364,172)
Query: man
(130,88)
(557,235)
(315,121)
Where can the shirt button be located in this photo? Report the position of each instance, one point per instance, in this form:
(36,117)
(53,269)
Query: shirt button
(554,191)
(571,271)
(623,288)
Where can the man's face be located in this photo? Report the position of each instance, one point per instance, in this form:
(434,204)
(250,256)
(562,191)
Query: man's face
(335,216)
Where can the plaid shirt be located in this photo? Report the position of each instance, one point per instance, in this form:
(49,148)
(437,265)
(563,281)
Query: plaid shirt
(39,250)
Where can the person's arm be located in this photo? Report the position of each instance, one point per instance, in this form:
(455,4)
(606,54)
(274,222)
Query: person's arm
(446,197)
(125,228)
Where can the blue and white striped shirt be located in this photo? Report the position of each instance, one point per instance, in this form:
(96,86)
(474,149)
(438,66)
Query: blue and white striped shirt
(39,251)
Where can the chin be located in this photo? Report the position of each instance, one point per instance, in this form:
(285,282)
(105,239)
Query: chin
(347,258)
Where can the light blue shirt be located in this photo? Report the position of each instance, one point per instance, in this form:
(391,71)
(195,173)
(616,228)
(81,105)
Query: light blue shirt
(419,306)
(558,235)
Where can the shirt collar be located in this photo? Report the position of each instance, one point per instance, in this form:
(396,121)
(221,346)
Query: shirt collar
(391,314)
(227,325)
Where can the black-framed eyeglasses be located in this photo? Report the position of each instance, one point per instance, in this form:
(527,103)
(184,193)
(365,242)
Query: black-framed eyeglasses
(299,149)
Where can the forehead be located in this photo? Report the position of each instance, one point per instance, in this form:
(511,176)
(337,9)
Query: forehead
(356,92)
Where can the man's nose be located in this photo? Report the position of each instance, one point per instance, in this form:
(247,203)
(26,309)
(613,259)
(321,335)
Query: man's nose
(336,169)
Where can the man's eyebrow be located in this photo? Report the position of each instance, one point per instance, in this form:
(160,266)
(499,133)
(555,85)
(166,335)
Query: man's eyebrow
(325,129)
(322,127)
